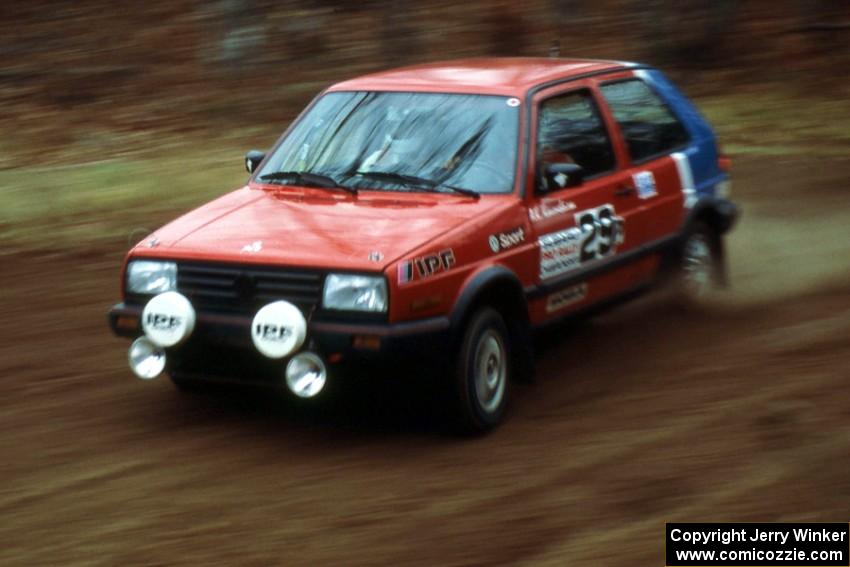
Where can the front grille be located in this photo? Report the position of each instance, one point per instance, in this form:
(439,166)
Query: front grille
(244,289)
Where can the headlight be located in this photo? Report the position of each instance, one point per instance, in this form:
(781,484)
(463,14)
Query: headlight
(355,293)
(150,276)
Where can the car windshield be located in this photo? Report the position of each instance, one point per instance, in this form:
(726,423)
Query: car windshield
(404,142)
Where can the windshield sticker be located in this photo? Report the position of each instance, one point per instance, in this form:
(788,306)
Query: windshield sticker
(596,235)
(645,183)
(506,240)
(566,297)
(425,266)
(550,208)
(513,102)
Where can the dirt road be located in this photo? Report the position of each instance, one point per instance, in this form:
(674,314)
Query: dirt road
(645,415)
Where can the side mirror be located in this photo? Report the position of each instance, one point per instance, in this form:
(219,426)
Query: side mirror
(561,176)
(253,159)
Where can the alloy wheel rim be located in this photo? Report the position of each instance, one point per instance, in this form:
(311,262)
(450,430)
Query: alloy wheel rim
(490,371)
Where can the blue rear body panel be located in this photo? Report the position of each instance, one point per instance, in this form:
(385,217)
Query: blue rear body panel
(702,151)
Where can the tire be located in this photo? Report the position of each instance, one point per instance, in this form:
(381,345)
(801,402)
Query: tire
(482,373)
(701,264)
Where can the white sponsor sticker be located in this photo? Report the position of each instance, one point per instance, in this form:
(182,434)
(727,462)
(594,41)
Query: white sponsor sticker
(645,183)
(566,297)
(560,252)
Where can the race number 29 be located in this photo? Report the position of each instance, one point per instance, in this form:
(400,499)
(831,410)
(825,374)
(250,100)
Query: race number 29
(602,231)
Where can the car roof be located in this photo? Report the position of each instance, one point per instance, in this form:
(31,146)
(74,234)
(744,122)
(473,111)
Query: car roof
(511,76)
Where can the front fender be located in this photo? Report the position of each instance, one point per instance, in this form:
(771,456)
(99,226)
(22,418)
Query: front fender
(501,288)
(475,288)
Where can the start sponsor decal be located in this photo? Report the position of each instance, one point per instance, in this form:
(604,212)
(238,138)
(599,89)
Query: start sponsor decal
(596,235)
(645,183)
(425,266)
(566,297)
(505,240)
(549,208)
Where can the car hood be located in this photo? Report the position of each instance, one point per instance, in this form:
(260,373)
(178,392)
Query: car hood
(314,228)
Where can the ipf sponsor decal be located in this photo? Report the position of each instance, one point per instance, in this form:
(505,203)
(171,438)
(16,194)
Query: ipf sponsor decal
(163,321)
(425,266)
(271,332)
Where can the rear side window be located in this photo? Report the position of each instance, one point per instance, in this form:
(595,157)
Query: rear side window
(570,130)
(648,126)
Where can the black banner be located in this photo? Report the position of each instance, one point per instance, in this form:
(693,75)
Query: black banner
(758,545)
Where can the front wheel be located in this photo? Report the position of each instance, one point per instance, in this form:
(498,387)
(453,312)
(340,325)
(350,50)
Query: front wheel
(482,372)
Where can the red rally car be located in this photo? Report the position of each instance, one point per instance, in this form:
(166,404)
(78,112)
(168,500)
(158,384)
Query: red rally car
(435,213)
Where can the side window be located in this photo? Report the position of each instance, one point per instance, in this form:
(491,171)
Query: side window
(570,130)
(648,126)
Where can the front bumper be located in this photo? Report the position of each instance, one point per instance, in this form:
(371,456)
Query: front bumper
(336,341)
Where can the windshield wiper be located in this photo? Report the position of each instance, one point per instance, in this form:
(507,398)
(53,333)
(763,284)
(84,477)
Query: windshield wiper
(308,179)
(414,181)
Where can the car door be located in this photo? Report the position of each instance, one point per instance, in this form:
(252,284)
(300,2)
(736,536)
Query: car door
(583,226)
(654,141)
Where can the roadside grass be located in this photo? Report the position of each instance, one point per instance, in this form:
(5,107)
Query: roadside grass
(776,123)
(99,204)
(89,203)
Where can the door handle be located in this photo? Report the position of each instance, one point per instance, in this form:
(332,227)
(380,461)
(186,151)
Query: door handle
(625,191)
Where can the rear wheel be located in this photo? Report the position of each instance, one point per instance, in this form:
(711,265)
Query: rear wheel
(482,372)
(701,263)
